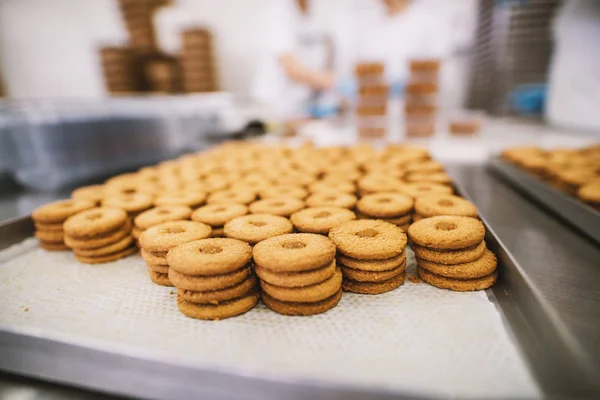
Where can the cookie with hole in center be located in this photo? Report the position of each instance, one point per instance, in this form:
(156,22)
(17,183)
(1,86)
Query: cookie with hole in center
(222,310)
(232,197)
(475,269)
(132,203)
(441,256)
(162,237)
(305,294)
(218,295)
(282,206)
(99,240)
(372,265)
(283,191)
(320,219)
(369,239)
(420,189)
(385,205)
(217,215)
(332,187)
(214,256)
(459,285)
(105,258)
(160,214)
(374,287)
(302,309)
(447,232)
(188,198)
(59,211)
(359,275)
(434,205)
(325,199)
(208,282)
(94,222)
(296,279)
(257,227)
(294,252)
(93,193)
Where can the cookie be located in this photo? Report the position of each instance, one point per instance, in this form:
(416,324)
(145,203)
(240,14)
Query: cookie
(93,193)
(332,187)
(189,198)
(162,237)
(208,282)
(416,190)
(161,269)
(160,214)
(590,193)
(283,206)
(131,203)
(374,287)
(320,219)
(216,215)
(54,246)
(257,227)
(302,309)
(306,294)
(106,258)
(375,183)
(49,227)
(430,206)
(136,232)
(283,191)
(59,211)
(324,199)
(232,197)
(159,278)
(441,256)
(159,258)
(296,279)
(294,252)
(219,311)
(459,285)
(50,236)
(447,232)
(218,232)
(436,177)
(94,222)
(368,239)
(213,256)
(475,269)
(100,240)
(219,295)
(385,205)
(358,275)
(115,247)
(424,166)
(372,265)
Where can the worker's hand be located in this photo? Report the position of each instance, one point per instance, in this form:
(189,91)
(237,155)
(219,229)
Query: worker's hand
(298,72)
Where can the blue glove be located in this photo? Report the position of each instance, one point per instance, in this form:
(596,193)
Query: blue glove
(529,99)
(347,88)
(501,3)
(322,111)
(396,89)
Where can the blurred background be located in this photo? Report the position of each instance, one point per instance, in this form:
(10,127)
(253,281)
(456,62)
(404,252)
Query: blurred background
(91,88)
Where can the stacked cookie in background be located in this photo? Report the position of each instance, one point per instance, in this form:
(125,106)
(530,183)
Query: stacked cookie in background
(445,204)
(394,208)
(421,98)
(119,67)
(132,203)
(217,215)
(298,273)
(49,219)
(451,253)
(255,228)
(99,235)
(159,215)
(198,71)
(371,109)
(156,241)
(93,193)
(213,277)
(371,254)
(320,219)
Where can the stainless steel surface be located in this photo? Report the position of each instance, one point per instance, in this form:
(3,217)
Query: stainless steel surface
(556,283)
(569,209)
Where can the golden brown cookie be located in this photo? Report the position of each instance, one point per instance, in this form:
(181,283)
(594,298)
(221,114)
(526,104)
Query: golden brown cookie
(372,265)
(50,236)
(441,256)
(283,191)
(94,222)
(459,285)
(106,258)
(424,166)
(299,309)
(325,199)
(159,258)
(188,198)
(54,246)
(49,227)
(115,247)
(294,252)
(372,276)
(296,279)
(257,227)
(283,206)
(132,203)
(430,206)
(59,211)
(210,256)
(416,190)
(375,183)
(219,295)
(385,205)
(208,282)
(93,193)
(320,219)
(374,287)
(474,269)
(368,239)
(590,193)
(162,237)
(436,177)
(161,269)
(159,278)
(447,232)
(232,197)
(160,214)
(306,294)
(100,240)
(216,215)
(219,311)
(332,187)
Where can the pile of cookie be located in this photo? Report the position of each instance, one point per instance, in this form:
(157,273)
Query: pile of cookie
(574,171)
(295,224)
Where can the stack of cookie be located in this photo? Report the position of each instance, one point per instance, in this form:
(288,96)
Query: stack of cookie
(371,108)
(49,219)
(99,235)
(445,204)
(217,215)
(320,219)
(119,69)
(156,241)
(282,206)
(132,203)
(255,228)
(372,255)
(298,273)
(93,193)
(426,171)
(213,278)
(197,61)
(420,103)
(158,215)
(394,208)
(451,253)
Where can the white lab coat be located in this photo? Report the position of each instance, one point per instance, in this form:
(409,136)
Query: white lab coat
(289,31)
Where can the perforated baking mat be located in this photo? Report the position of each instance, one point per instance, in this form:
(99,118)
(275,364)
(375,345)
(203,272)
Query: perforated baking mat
(415,339)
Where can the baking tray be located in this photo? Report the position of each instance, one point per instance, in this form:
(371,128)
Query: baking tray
(569,209)
(528,320)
